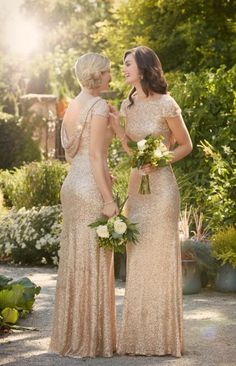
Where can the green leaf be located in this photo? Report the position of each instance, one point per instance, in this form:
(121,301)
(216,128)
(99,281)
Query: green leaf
(4,281)
(121,206)
(19,294)
(116,235)
(28,296)
(11,297)
(10,315)
(132,144)
(98,223)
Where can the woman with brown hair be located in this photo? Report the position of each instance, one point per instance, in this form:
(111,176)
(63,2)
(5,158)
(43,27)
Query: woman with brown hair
(153,316)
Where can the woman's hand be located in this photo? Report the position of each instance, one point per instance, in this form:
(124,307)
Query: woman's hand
(114,119)
(114,122)
(148,168)
(113,179)
(111,209)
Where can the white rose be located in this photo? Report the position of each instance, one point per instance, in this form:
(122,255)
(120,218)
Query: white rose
(23,245)
(163,147)
(158,153)
(167,153)
(141,144)
(120,227)
(43,260)
(102,231)
(38,246)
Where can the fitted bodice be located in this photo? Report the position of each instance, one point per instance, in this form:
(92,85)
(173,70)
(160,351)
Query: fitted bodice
(149,117)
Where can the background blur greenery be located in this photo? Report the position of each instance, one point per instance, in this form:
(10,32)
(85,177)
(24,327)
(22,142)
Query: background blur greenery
(196,44)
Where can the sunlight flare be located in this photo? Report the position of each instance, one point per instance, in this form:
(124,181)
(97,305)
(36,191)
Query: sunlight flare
(23,37)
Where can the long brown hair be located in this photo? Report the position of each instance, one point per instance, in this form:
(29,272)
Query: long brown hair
(152,76)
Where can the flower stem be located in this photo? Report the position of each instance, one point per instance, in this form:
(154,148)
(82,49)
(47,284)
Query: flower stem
(144,185)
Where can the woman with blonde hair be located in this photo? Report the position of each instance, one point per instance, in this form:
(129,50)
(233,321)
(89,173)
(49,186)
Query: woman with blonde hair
(84,312)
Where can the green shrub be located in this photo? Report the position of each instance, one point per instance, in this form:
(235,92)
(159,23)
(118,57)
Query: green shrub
(1,201)
(224,246)
(207,100)
(7,186)
(31,236)
(16,145)
(207,176)
(35,184)
(121,173)
(213,195)
(118,165)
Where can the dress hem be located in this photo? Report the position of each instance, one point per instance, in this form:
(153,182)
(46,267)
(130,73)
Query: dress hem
(150,354)
(78,356)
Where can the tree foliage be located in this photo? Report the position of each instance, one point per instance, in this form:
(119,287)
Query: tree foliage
(207,176)
(186,35)
(16,145)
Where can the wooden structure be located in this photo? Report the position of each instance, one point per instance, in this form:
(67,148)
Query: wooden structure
(44,116)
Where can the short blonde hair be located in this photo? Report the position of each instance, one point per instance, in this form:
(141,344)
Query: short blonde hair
(89,68)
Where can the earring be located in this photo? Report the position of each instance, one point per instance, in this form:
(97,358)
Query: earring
(141,77)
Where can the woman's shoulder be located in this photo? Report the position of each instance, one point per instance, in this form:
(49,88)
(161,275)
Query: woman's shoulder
(163,98)
(170,106)
(100,107)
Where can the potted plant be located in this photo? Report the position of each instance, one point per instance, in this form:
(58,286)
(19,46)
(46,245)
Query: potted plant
(196,242)
(190,269)
(207,264)
(224,250)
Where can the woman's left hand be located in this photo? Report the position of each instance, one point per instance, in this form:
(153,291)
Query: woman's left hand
(148,168)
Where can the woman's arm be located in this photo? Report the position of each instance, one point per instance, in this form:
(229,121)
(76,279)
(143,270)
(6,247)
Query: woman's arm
(181,136)
(98,163)
(68,158)
(114,120)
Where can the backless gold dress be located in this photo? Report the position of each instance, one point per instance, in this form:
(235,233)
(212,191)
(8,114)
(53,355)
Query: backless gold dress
(84,310)
(152,321)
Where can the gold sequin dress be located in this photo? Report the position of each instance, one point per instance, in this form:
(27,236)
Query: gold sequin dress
(152,321)
(84,310)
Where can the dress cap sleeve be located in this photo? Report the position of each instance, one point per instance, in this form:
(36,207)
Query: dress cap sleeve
(101,109)
(172,109)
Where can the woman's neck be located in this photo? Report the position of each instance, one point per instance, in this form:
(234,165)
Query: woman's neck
(92,92)
(140,93)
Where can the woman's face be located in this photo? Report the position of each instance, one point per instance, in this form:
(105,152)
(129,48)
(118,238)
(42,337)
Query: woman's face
(106,78)
(131,71)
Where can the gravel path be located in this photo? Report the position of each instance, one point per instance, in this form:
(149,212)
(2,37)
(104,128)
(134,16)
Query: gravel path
(209,326)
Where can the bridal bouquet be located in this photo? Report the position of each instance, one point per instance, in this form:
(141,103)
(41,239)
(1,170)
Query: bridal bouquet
(150,150)
(114,233)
